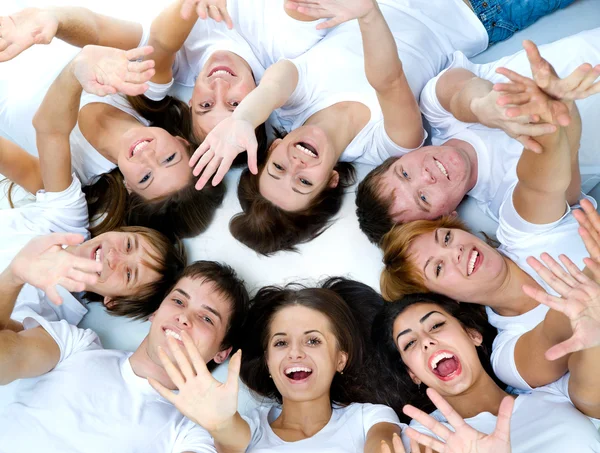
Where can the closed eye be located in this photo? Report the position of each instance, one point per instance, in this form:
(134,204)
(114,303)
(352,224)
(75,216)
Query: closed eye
(408,345)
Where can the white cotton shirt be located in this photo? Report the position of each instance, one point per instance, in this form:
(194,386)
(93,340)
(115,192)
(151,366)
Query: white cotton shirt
(52,212)
(520,239)
(333,71)
(346,431)
(543,420)
(497,153)
(92,401)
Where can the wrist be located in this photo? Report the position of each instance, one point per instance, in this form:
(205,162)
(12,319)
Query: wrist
(11,278)
(224,429)
(372,15)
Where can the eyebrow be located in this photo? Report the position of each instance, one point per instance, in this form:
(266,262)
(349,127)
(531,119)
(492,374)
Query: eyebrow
(206,307)
(421,321)
(305,333)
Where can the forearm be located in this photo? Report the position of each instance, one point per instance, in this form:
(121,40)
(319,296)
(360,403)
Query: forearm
(169,30)
(19,166)
(10,288)
(573,131)
(584,390)
(461,92)
(232,437)
(80,27)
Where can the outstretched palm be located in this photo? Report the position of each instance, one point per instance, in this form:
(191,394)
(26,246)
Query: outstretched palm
(20,31)
(337,11)
(589,220)
(204,400)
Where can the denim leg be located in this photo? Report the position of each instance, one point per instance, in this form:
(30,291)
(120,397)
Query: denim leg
(502,18)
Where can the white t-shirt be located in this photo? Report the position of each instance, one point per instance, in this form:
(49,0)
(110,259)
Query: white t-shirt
(346,431)
(497,153)
(333,71)
(52,212)
(92,401)
(521,239)
(543,420)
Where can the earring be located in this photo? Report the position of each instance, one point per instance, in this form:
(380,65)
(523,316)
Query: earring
(271,377)
(342,372)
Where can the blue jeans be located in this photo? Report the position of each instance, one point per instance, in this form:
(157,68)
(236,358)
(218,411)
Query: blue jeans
(502,18)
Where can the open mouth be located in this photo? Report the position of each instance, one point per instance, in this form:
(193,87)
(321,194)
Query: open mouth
(441,167)
(475,260)
(221,71)
(138,147)
(97,255)
(307,149)
(298,373)
(172,333)
(445,365)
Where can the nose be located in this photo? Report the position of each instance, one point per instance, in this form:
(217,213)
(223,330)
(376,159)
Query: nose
(297,162)
(428,176)
(428,343)
(460,249)
(296,352)
(183,320)
(148,155)
(112,258)
(220,86)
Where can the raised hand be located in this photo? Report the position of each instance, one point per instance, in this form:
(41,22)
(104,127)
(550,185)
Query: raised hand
(337,11)
(464,439)
(201,398)
(104,70)
(589,222)
(43,263)
(219,149)
(580,301)
(20,31)
(214,9)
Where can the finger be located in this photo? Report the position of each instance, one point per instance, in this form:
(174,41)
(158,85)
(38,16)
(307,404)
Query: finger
(558,270)
(252,158)
(574,80)
(53,295)
(573,270)
(172,371)
(198,154)
(222,171)
(312,11)
(397,444)
(592,216)
(425,440)
(552,278)
(63,239)
(10,52)
(140,66)
(197,361)
(203,162)
(414,446)
(514,76)
(329,24)
(132,89)
(562,349)
(136,78)
(138,52)
(82,277)
(594,267)
(214,13)
(385,448)
(589,79)
(502,430)
(535,130)
(209,170)
(233,370)
(202,10)
(71,285)
(513,98)
(510,87)
(428,421)
(541,296)
(530,144)
(561,112)
(162,390)
(591,244)
(448,411)
(182,361)
(186,9)
(227,18)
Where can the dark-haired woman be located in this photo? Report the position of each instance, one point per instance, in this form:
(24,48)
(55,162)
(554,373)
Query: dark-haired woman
(303,348)
(430,341)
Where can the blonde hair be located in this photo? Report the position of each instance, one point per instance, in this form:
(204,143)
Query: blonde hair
(401,277)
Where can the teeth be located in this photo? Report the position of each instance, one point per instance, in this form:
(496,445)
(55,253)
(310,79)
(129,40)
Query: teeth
(306,151)
(441,167)
(438,358)
(140,146)
(222,71)
(98,255)
(289,371)
(170,333)
(472,259)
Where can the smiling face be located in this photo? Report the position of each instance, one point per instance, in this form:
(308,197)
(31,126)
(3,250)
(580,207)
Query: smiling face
(196,307)
(303,353)
(428,183)
(224,81)
(127,263)
(457,264)
(154,163)
(299,167)
(436,349)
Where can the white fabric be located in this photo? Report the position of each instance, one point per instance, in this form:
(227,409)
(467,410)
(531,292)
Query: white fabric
(497,153)
(346,431)
(92,401)
(543,420)
(520,239)
(333,71)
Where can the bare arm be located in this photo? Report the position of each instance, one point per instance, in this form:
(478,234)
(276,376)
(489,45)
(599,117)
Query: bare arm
(19,166)
(379,433)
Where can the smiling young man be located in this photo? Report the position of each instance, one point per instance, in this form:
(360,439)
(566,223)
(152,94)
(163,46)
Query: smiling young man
(476,144)
(97,400)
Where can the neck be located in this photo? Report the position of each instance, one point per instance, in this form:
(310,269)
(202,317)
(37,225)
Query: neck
(469,150)
(509,299)
(111,126)
(144,367)
(483,396)
(306,417)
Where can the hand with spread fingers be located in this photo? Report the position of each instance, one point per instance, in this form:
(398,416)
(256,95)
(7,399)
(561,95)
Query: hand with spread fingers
(204,400)
(464,438)
(589,223)
(44,263)
(20,31)
(104,70)
(337,11)
(213,9)
(579,301)
(219,149)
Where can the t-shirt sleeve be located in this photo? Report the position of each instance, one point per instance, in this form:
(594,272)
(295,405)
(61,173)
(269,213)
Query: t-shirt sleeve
(378,413)
(305,93)
(70,339)
(256,430)
(194,438)
(383,147)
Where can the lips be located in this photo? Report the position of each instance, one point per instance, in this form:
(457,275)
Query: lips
(474,262)
(221,71)
(138,146)
(308,149)
(298,374)
(442,169)
(445,365)
(174,333)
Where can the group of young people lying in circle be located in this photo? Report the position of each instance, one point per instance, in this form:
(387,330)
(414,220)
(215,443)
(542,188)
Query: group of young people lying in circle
(121,171)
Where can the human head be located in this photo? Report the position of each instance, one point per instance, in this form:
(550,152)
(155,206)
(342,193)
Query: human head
(225,79)
(139,266)
(465,333)
(440,256)
(337,347)
(421,185)
(209,302)
(267,228)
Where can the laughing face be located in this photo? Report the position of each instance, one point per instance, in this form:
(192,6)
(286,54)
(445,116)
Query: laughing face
(436,349)
(196,307)
(224,81)
(299,167)
(458,264)
(428,183)
(127,263)
(303,354)
(154,163)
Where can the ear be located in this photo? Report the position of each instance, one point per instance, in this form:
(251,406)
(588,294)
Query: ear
(126,186)
(108,302)
(475,336)
(454,214)
(342,361)
(182,140)
(276,142)
(190,102)
(151,318)
(334,180)
(414,377)
(221,356)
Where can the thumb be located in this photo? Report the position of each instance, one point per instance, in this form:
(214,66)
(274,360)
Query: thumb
(252,159)
(562,349)
(64,239)
(233,370)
